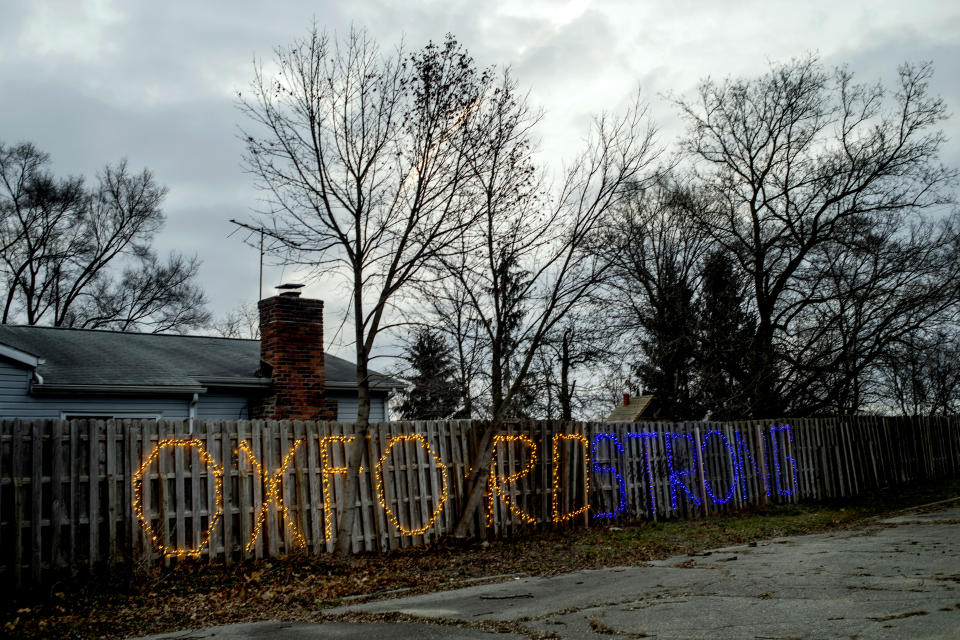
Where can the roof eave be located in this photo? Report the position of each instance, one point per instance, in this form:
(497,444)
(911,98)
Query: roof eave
(338,384)
(236,383)
(115,389)
(22,357)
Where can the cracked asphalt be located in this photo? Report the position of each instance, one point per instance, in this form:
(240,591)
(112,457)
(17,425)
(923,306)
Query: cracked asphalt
(897,578)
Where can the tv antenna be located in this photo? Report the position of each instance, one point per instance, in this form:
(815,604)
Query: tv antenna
(261,231)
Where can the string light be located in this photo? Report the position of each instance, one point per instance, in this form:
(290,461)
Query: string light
(261,517)
(274,495)
(743,455)
(651,487)
(557,439)
(744,460)
(675,476)
(733,460)
(776,461)
(610,469)
(213,469)
(381,496)
(325,472)
(496,483)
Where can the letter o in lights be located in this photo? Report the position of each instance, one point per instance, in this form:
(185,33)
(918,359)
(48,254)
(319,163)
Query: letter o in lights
(382,499)
(733,460)
(213,470)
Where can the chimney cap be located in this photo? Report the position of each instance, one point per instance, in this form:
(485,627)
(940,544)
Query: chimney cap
(289,289)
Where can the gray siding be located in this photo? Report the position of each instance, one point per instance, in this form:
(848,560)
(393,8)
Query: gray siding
(222,406)
(15,403)
(347,406)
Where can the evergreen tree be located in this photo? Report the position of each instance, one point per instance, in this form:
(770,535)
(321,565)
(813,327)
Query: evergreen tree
(512,296)
(669,347)
(433,394)
(725,333)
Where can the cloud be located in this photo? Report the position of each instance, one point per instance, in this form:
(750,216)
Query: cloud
(91,82)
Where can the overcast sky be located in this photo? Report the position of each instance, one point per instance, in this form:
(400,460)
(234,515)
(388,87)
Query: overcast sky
(91,82)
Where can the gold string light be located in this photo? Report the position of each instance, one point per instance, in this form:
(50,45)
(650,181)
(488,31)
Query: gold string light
(557,438)
(274,495)
(213,469)
(381,495)
(496,486)
(496,483)
(325,472)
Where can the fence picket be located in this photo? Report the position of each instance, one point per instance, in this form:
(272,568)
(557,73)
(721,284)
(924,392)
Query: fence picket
(110,450)
(245,480)
(216,539)
(93,487)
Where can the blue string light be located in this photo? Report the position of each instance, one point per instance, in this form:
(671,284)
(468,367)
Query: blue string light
(743,455)
(598,468)
(651,487)
(733,460)
(676,476)
(776,461)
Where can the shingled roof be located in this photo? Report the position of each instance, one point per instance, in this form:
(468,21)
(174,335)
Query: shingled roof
(632,412)
(109,359)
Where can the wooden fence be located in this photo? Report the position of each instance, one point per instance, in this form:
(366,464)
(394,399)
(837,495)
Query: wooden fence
(83,495)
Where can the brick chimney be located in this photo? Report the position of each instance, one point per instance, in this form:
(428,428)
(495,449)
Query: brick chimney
(291,353)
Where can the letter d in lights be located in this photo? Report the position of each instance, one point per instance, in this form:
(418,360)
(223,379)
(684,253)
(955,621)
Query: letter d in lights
(558,515)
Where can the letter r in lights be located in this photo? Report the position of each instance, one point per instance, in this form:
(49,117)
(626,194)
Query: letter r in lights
(676,477)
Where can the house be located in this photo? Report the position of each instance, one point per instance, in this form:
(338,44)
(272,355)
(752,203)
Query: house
(48,372)
(634,409)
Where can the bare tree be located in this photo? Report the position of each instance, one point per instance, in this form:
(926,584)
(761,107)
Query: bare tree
(364,158)
(62,244)
(580,344)
(655,249)
(921,373)
(527,262)
(875,288)
(157,296)
(790,159)
(242,322)
(446,308)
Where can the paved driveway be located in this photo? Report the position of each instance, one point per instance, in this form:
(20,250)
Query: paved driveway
(897,579)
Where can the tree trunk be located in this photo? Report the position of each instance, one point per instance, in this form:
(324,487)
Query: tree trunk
(480,472)
(766,403)
(354,457)
(477,481)
(566,411)
(355,449)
